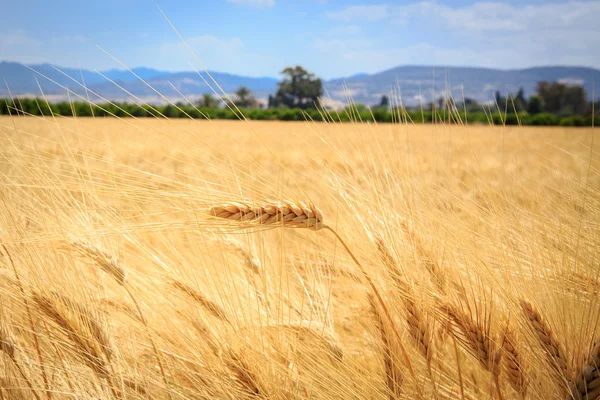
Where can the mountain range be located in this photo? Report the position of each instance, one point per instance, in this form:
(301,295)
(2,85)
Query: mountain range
(413,83)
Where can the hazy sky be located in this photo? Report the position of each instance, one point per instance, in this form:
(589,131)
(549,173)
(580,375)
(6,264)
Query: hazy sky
(332,38)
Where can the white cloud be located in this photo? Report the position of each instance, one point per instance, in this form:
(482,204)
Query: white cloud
(485,33)
(343,30)
(480,16)
(215,53)
(361,13)
(254,3)
(341,45)
(343,57)
(213,43)
(18,38)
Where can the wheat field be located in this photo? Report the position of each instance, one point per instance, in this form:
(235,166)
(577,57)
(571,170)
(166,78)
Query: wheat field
(153,258)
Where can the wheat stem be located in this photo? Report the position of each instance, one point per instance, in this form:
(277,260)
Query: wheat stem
(384,307)
(555,352)
(36,343)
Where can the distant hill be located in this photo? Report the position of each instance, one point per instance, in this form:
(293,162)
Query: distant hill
(415,83)
(188,84)
(22,81)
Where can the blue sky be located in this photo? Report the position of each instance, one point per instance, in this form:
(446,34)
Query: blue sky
(329,37)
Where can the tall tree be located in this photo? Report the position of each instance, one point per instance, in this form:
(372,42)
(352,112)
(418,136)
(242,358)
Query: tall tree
(299,88)
(208,101)
(562,99)
(535,105)
(520,101)
(385,102)
(499,100)
(244,97)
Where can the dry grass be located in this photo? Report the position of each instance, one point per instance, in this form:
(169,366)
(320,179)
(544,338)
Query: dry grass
(166,270)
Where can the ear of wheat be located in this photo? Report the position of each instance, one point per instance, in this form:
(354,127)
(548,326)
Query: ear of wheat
(555,352)
(110,265)
(312,331)
(393,372)
(419,329)
(87,320)
(245,377)
(291,214)
(426,258)
(514,363)
(588,380)
(103,259)
(6,344)
(477,339)
(89,350)
(201,299)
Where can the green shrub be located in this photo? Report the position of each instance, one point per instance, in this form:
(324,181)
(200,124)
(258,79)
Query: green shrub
(590,118)
(292,114)
(574,120)
(544,119)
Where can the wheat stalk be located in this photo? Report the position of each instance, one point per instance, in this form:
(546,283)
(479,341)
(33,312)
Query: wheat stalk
(514,363)
(299,214)
(86,318)
(253,267)
(7,346)
(478,341)
(427,258)
(245,377)
(587,382)
(89,349)
(102,258)
(125,309)
(312,330)
(554,350)
(292,214)
(136,387)
(111,265)
(393,373)
(251,262)
(32,327)
(201,299)
(477,338)
(419,329)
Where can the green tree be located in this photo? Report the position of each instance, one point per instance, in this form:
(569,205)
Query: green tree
(299,88)
(384,103)
(535,105)
(520,102)
(208,101)
(471,105)
(562,99)
(499,100)
(575,101)
(244,98)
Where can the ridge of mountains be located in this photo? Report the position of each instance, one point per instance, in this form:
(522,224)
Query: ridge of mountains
(414,83)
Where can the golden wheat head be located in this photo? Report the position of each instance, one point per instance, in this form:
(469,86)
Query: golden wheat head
(588,380)
(514,363)
(107,262)
(553,348)
(292,214)
(6,344)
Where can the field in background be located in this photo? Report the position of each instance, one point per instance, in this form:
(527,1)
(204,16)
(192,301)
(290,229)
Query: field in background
(115,282)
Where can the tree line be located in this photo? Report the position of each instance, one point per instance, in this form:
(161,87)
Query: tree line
(297,95)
